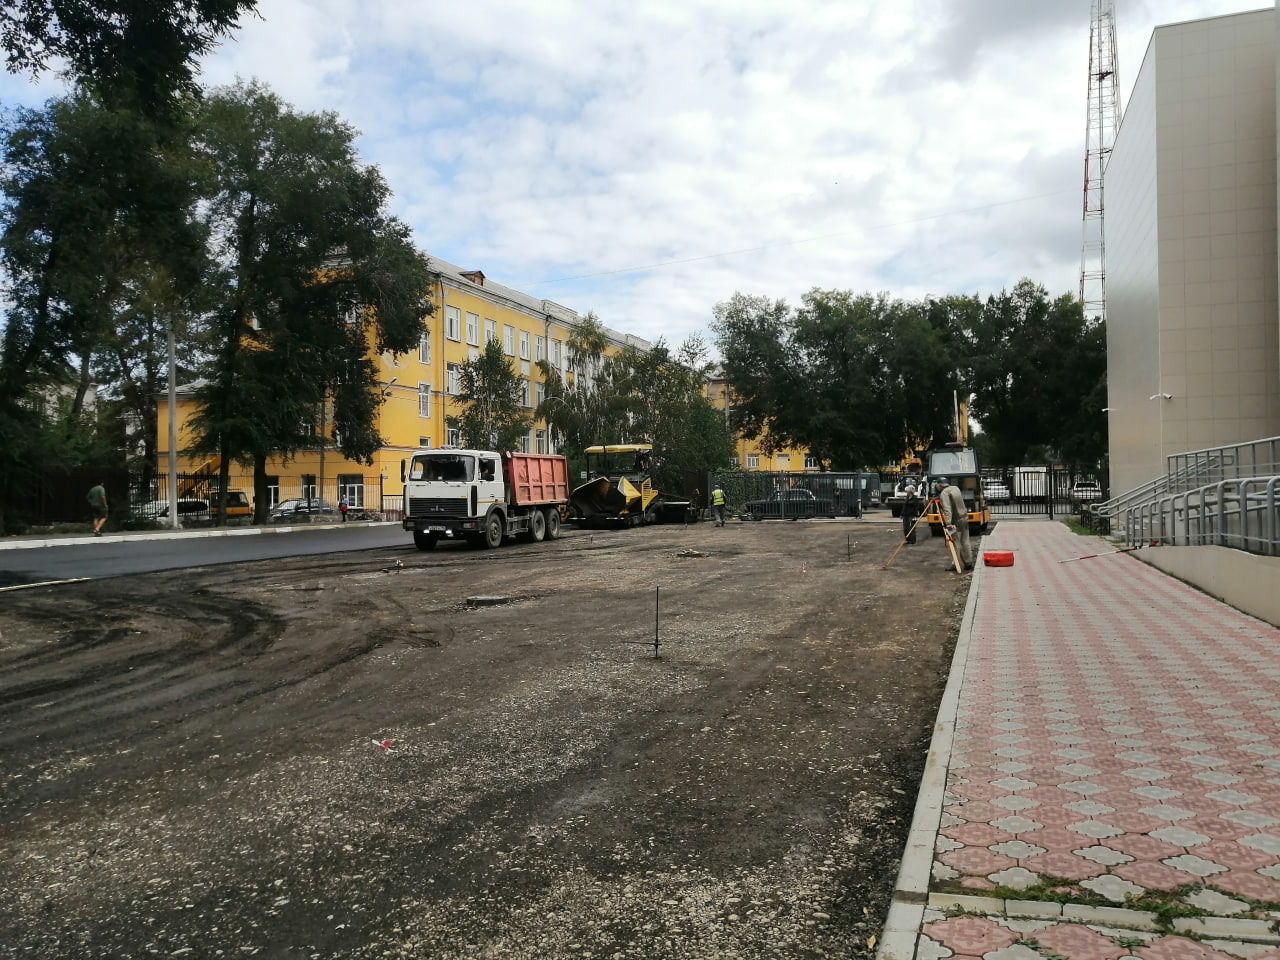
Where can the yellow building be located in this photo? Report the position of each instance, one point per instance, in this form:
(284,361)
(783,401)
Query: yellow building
(748,454)
(419,389)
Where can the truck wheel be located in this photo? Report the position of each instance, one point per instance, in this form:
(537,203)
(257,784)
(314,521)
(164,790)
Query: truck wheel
(425,541)
(553,524)
(493,531)
(537,526)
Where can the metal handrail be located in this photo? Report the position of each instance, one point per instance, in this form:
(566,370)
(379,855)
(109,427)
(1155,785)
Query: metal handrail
(1243,513)
(1185,471)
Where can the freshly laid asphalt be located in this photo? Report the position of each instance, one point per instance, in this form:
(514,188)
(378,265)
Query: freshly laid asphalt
(1104,776)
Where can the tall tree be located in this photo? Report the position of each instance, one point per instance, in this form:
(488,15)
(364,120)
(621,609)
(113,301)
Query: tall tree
(134,53)
(493,416)
(311,275)
(855,379)
(89,205)
(1039,373)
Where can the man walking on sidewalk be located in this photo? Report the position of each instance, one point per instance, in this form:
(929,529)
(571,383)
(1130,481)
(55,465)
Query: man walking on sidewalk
(97,497)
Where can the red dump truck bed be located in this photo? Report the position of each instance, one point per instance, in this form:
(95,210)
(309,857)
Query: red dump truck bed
(536,479)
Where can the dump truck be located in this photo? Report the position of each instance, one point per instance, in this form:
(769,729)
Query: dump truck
(959,464)
(619,490)
(482,496)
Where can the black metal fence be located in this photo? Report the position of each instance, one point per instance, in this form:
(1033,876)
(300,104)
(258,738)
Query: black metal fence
(762,495)
(1037,491)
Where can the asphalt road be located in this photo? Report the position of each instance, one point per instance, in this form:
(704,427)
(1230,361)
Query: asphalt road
(122,556)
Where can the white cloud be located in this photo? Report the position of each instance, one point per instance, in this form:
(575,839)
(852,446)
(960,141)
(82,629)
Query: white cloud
(922,146)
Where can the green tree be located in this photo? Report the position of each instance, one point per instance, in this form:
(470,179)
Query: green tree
(855,379)
(138,53)
(493,416)
(1039,376)
(89,206)
(310,274)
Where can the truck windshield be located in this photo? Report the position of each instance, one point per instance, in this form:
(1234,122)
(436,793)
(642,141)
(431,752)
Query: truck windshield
(944,463)
(449,467)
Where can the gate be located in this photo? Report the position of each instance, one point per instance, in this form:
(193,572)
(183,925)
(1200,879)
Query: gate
(1027,491)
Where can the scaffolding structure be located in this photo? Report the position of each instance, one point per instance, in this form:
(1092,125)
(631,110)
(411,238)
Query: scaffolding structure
(1101,124)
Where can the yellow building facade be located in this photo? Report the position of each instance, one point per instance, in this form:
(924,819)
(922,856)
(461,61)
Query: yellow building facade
(419,389)
(748,454)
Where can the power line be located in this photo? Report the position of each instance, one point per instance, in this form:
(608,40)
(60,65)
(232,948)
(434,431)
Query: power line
(794,243)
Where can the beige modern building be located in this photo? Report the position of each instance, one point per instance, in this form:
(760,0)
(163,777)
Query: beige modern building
(1193,323)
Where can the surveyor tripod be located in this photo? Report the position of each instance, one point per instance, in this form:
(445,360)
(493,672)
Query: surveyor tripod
(951,543)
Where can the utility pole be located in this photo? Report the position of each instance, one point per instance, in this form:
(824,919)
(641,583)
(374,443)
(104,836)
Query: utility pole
(173,427)
(1102,121)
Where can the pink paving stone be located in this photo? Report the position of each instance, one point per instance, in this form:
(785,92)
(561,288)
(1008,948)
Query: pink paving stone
(981,884)
(1153,875)
(1217,828)
(1079,943)
(1058,816)
(978,860)
(1143,847)
(1269,808)
(1178,948)
(1063,865)
(1136,822)
(972,936)
(976,834)
(976,791)
(1246,883)
(977,812)
(1232,854)
(1057,839)
(1048,795)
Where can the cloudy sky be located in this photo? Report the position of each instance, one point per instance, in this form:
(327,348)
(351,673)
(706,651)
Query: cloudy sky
(647,160)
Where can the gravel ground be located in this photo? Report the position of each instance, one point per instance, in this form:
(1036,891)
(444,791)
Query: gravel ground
(190,762)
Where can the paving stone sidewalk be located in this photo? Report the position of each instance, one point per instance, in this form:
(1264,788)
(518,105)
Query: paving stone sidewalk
(1112,785)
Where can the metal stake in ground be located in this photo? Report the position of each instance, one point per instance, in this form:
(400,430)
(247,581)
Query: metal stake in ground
(657,594)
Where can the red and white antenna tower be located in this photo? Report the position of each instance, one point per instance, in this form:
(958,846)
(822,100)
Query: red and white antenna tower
(1101,124)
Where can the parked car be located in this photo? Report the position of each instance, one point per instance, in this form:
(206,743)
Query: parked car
(188,509)
(790,503)
(1085,491)
(995,491)
(300,510)
(237,507)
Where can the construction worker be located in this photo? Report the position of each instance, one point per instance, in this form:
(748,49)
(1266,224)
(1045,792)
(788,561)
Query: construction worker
(910,511)
(955,517)
(717,505)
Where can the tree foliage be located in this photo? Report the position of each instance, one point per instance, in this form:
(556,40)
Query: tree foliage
(493,416)
(854,379)
(134,53)
(862,379)
(308,274)
(634,396)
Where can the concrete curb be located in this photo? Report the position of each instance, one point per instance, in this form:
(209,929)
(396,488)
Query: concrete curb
(186,534)
(911,892)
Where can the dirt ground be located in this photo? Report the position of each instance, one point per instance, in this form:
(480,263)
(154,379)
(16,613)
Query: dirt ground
(188,765)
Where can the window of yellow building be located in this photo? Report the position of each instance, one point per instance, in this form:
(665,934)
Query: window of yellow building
(509,339)
(453,323)
(557,352)
(453,379)
(424,399)
(539,349)
(753,461)
(524,393)
(524,344)
(490,330)
(473,329)
(424,348)
(540,441)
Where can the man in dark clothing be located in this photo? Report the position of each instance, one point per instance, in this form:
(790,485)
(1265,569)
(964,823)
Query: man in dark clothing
(97,498)
(910,511)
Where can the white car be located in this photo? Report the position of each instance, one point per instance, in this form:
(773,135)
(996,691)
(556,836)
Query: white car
(995,491)
(1085,491)
(159,509)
